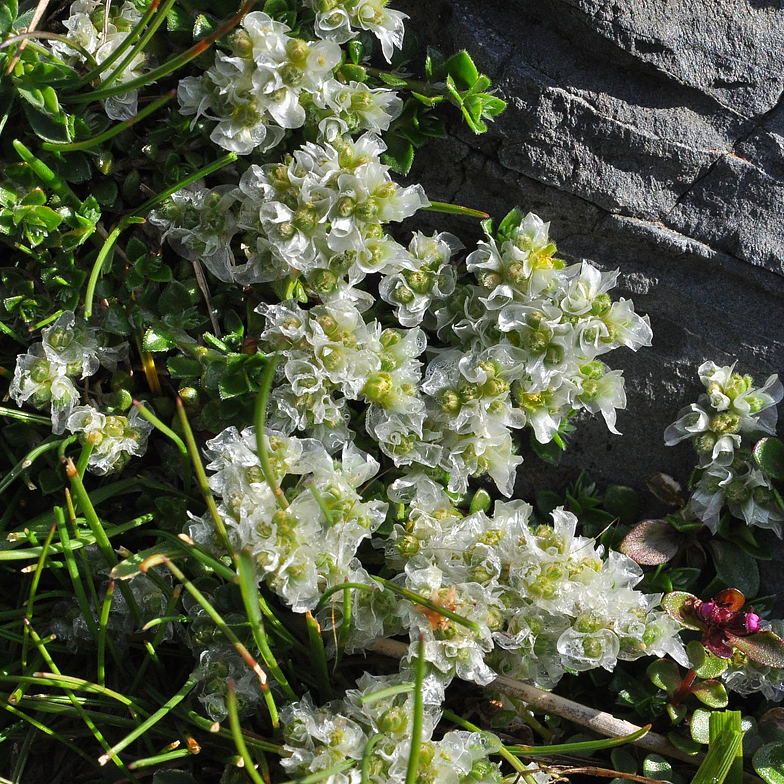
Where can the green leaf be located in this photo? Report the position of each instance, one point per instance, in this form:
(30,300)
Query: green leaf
(735,568)
(763,647)
(184,367)
(8,12)
(507,227)
(768,762)
(353,73)
(676,712)
(769,454)
(664,674)
(158,339)
(651,543)
(203,26)
(234,385)
(705,663)
(356,51)
(116,321)
(622,502)
(710,692)
(492,106)
(175,298)
(461,68)
(399,155)
(392,80)
(128,568)
(550,452)
(435,65)
(74,167)
(49,127)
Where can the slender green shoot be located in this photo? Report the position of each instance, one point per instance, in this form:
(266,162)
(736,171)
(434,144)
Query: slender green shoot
(149,722)
(134,34)
(139,44)
(367,756)
(250,598)
(416,720)
(31,34)
(322,504)
(345,627)
(51,442)
(455,209)
(168,67)
(159,759)
(86,144)
(214,727)
(48,177)
(219,163)
(98,531)
(100,259)
(319,656)
(320,775)
(104,624)
(239,741)
(178,442)
(34,586)
(201,479)
(382,694)
(78,707)
(325,597)
(260,418)
(84,458)
(25,416)
(14,711)
(223,626)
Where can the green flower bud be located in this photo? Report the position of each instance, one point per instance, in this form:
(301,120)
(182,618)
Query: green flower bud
(737,492)
(725,423)
(705,442)
(393,720)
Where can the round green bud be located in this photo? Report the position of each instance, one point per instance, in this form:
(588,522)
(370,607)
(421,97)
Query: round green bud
(737,492)
(704,442)
(393,720)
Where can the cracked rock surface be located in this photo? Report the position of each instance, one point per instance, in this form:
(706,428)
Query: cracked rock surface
(651,136)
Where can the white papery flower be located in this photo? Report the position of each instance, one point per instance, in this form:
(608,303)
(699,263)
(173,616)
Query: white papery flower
(113,438)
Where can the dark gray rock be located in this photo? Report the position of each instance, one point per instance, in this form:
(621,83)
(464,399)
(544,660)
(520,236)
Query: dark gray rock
(651,135)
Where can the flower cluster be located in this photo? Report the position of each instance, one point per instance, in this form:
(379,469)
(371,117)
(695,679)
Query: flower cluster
(541,599)
(95,35)
(44,376)
(302,545)
(722,426)
(370,731)
(339,20)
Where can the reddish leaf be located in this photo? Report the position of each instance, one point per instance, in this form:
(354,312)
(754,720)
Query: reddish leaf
(651,543)
(731,598)
(763,647)
(711,692)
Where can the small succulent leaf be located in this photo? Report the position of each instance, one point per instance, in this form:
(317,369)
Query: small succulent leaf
(768,762)
(651,543)
(700,725)
(622,502)
(664,674)
(769,454)
(763,647)
(705,663)
(731,598)
(711,692)
(676,713)
(549,452)
(686,745)
(680,606)
(657,768)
